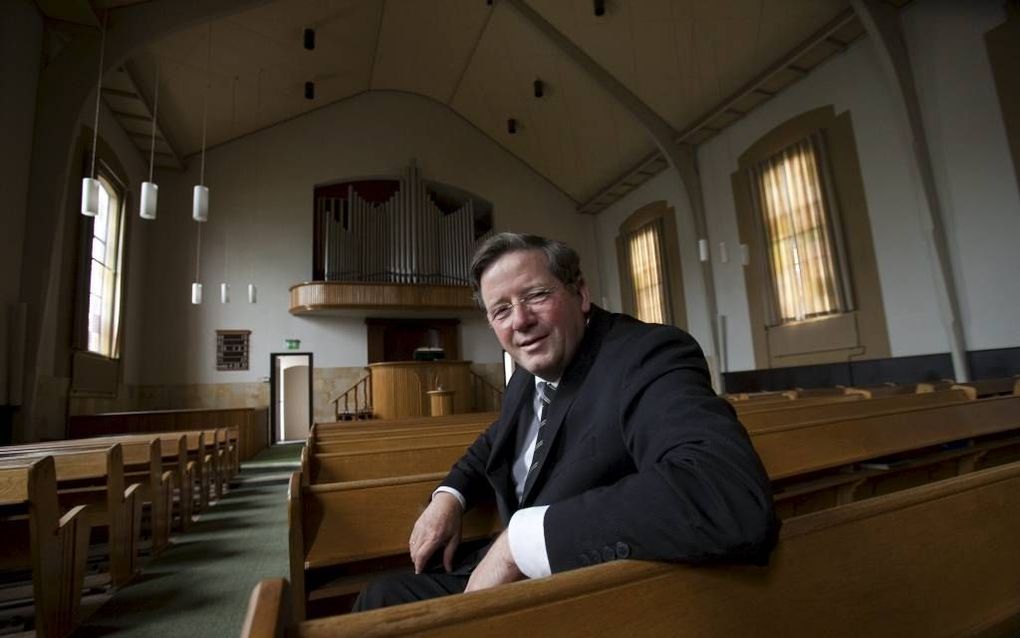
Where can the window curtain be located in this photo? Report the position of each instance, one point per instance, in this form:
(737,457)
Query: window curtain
(796,212)
(646,259)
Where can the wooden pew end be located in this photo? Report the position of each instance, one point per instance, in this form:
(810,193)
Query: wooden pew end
(268,610)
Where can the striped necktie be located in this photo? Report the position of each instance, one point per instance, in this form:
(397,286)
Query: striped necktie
(546,393)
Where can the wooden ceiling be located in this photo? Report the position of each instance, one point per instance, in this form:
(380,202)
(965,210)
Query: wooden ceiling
(699,65)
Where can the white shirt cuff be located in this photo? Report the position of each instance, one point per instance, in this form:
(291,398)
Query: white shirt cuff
(450,490)
(526,533)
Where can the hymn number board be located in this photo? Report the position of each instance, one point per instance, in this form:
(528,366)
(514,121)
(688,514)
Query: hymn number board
(232,349)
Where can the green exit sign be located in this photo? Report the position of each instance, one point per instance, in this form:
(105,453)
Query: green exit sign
(293,344)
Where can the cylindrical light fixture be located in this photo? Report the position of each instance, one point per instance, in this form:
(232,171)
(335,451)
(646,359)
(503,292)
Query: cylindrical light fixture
(150,192)
(745,254)
(511,126)
(224,292)
(309,90)
(724,254)
(252,293)
(90,197)
(539,88)
(703,249)
(309,38)
(147,208)
(196,293)
(200,195)
(200,204)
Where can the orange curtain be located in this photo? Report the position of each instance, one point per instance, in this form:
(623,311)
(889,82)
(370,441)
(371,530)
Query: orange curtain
(645,256)
(799,234)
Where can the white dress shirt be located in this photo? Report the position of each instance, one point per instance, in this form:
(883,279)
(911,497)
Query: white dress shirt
(526,531)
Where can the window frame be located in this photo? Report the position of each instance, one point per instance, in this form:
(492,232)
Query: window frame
(662,215)
(831,229)
(859,333)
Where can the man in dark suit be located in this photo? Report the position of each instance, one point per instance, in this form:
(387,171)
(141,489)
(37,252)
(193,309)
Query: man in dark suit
(610,444)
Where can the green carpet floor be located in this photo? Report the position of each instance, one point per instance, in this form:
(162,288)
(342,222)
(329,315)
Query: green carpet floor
(199,586)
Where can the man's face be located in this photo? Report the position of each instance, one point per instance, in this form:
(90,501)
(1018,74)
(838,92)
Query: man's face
(545,322)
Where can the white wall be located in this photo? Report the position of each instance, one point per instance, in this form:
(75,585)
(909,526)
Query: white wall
(972,162)
(261,190)
(664,186)
(972,166)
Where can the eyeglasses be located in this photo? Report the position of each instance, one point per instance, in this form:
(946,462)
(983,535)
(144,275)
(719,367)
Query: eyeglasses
(534,300)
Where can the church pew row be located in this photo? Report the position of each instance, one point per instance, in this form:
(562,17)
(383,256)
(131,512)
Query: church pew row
(142,464)
(38,539)
(342,428)
(198,460)
(812,466)
(860,436)
(95,477)
(789,415)
(464,434)
(936,560)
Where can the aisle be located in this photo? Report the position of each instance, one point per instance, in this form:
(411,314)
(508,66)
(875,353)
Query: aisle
(199,586)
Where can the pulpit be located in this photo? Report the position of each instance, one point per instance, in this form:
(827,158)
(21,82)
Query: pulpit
(400,388)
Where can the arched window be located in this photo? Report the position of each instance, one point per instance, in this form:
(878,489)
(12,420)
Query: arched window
(651,282)
(104,276)
(813,292)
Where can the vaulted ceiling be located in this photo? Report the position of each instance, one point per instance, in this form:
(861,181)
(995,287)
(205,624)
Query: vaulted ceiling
(695,63)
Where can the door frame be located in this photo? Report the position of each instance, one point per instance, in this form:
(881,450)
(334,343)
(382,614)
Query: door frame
(274,430)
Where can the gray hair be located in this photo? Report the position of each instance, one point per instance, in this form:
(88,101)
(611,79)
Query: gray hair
(564,262)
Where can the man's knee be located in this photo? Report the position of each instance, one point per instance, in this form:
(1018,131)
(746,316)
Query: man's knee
(396,589)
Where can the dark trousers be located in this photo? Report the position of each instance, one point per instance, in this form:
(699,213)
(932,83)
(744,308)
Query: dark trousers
(408,587)
(434,582)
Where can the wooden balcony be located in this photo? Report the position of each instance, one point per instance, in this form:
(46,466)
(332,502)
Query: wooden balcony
(341,297)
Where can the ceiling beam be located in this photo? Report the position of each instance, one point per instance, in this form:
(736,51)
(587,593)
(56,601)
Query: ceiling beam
(752,87)
(682,158)
(882,23)
(160,134)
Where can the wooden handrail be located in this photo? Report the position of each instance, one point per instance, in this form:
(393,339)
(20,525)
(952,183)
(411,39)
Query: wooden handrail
(487,397)
(360,394)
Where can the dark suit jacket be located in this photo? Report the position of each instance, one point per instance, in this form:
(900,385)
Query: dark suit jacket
(644,460)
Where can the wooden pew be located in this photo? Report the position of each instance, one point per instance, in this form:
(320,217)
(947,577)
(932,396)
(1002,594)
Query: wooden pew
(328,530)
(461,435)
(795,413)
(36,537)
(937,560)
(95,477)
(872,429)
(796,458)
(340,467)
(142,463)
(990,387)
(394,426)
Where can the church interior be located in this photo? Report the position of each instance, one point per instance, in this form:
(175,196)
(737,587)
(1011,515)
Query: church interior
(239,346)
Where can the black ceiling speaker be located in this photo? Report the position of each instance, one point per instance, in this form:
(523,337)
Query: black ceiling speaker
(600,8)
(539,88)
(511,126)
(309,90)
(310,39)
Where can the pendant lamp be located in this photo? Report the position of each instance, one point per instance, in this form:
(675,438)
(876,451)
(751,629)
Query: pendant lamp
(200,196)
(150,191)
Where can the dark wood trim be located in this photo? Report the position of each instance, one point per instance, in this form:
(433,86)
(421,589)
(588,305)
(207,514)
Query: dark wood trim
(984,364)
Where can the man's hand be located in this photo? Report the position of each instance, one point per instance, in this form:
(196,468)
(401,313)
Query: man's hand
(438,525)
(497,568)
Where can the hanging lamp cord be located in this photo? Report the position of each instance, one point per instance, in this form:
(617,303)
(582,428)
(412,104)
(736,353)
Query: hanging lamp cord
(99,91)
(155,110)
